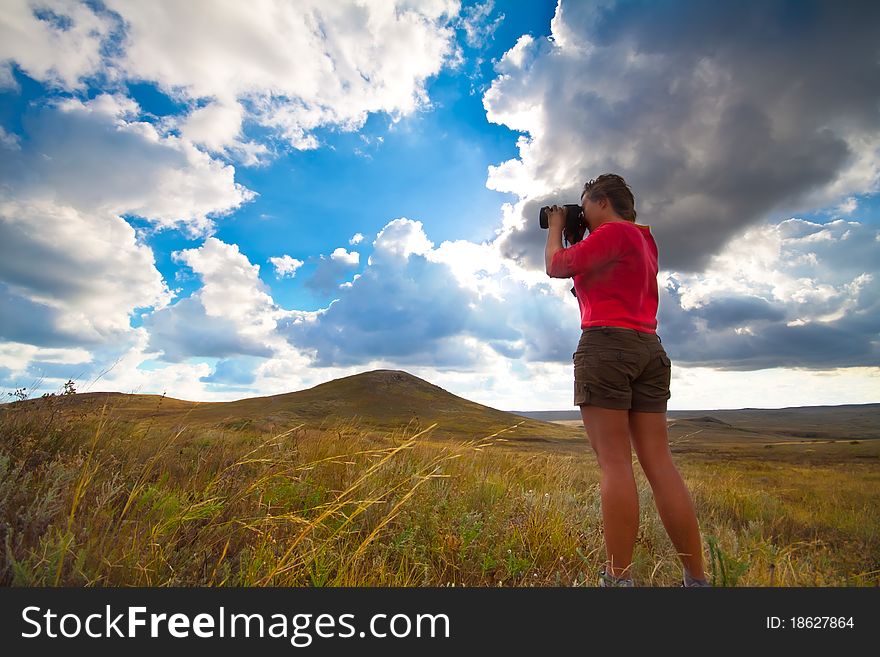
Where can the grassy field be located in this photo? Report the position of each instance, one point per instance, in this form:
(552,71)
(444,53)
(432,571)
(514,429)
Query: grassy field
(96,496)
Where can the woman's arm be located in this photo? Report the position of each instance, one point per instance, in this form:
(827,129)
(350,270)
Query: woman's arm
(555,225)
(554,244)
(599,248)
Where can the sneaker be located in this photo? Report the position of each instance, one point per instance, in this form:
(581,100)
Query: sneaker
(606,580)
(694,582)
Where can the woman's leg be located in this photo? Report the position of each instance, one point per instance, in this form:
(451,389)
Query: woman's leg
(608,431)
(673,500)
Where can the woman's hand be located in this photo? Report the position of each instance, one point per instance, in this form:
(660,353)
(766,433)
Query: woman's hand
(556,217)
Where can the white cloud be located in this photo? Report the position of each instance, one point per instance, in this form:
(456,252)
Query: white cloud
(118,109)
(330,270)
(7,78)
(125,374)
(848,206)
(479,30)
(73,270)
(345,257)
(97,157)
(231,287)
(285,266)
(446,307)
(16,356)
(56,41)
(400,238)
(474,266)
(349,283)
(516,57)
(295,67)
(292,68)
(357,238)
(217,127)
(232,314)
(77,275)
(9,141)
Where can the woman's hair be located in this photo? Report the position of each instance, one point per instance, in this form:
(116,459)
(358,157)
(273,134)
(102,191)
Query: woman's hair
(614,188)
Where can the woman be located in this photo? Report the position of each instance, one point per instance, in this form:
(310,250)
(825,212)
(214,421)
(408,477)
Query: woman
(622,373)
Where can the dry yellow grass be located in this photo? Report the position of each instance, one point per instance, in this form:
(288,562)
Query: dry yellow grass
(94,500)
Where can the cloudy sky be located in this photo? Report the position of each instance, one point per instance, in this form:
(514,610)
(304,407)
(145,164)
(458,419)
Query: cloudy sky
(219,200)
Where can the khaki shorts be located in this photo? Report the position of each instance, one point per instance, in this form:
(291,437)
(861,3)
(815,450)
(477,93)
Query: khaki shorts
(621,368)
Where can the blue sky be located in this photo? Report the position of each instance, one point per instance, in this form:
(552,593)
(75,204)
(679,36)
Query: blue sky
(157,176)
(430,165)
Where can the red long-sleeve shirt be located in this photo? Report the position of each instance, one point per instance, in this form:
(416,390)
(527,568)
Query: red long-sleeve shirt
(615,276)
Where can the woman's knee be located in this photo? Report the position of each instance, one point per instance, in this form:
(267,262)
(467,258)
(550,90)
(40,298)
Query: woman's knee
(659,468)
(652,450)
(613,459)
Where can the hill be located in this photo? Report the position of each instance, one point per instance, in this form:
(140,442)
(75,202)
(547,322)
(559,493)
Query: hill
(848,433)
(381,401)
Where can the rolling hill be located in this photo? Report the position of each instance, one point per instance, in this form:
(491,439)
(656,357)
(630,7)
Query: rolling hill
(803,434)
(381,401)
(855,421)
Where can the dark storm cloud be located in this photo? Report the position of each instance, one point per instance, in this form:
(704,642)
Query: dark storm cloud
(717,114)
(707,335)
(735,311)
(813,346)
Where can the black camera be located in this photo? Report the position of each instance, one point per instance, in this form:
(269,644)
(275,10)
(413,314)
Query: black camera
(575,226)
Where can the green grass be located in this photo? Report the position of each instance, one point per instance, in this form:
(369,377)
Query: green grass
(90,499)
